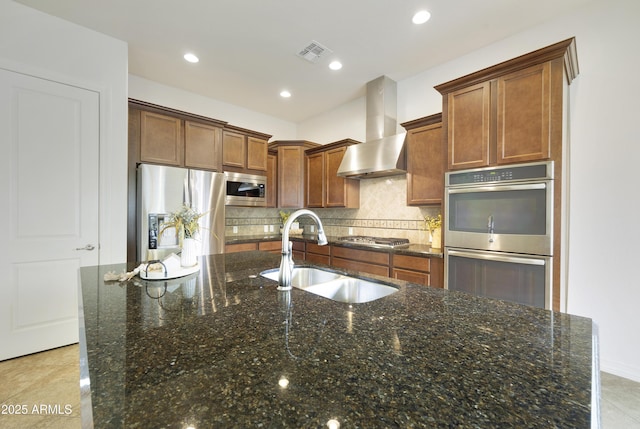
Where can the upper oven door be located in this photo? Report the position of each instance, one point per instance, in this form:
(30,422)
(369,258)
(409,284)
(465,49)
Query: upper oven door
(516,217)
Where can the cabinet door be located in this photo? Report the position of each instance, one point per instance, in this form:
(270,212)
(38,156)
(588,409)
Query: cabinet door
(233,149)
(290,176)
(257,154)
(161,139)
(272,177)
(298,250)
(524,100)
(468,130)
(425,165)
(203,148)
(340,192)
(315,181)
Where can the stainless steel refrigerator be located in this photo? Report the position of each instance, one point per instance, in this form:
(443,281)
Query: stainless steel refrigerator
(164,190)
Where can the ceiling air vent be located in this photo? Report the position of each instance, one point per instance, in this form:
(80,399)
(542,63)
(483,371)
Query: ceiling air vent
(313,51)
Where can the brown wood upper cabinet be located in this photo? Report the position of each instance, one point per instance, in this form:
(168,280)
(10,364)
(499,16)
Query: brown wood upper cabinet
(323,186)
(244,150)
(426,149)
(171,137)
(508,113)
(202,146)
(291,167)
(161,139)
(272,178)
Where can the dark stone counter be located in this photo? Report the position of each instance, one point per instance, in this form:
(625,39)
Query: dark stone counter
(213,350)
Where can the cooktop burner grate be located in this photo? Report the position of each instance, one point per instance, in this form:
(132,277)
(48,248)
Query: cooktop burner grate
(375,241)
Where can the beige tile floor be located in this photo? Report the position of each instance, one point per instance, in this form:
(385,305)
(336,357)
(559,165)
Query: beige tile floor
(52,379)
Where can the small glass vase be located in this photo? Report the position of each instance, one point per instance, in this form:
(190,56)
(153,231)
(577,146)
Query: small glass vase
(188,256)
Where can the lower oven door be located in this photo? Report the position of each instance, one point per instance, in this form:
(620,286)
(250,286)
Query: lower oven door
(524,279)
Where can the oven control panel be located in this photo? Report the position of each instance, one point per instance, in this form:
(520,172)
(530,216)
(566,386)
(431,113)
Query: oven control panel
(510,173)
(492,176)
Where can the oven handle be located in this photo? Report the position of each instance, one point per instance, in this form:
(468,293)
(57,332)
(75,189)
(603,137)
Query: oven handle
(499,188)
(497,258)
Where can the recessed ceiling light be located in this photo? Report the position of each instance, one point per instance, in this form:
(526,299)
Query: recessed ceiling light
(421,17)
(191,58)
(335,65)
(285,94)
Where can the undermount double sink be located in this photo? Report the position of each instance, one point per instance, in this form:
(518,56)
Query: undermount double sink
(335,286)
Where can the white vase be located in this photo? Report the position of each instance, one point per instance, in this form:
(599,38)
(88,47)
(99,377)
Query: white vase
(189,256)
(436,238)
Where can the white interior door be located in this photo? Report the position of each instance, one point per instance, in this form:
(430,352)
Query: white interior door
(49,142)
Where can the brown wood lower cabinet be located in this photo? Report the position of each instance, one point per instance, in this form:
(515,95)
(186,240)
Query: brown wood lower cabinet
(271,246)
(361,260)
(298,250)
(240,247)
(417,269)
(318,254)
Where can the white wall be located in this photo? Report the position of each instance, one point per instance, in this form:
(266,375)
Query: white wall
(604,155)
(163,95)
(347,121)
(35,43)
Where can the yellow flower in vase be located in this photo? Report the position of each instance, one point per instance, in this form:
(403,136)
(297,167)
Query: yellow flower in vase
(185,222)
(434,225)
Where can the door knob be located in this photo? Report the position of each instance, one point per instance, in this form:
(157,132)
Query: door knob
(87,247)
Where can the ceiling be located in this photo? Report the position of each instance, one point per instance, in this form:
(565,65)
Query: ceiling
(248,49)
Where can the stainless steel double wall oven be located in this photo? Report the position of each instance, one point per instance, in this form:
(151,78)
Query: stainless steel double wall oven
(498,230)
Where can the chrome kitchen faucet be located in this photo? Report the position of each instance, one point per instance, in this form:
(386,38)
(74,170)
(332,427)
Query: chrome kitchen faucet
(286,262)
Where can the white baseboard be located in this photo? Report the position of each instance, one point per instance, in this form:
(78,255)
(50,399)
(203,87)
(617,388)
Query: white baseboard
(620,369)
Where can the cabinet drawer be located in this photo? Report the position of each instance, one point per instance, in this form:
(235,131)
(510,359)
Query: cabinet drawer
(415,263)
(240,247)
(320,250)
(365,267)
(318,259)
(299,246)
(270,245)
(379,258)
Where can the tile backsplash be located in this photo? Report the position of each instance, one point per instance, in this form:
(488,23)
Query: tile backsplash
(383,212)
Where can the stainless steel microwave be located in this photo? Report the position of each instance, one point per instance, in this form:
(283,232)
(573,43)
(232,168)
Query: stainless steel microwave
(247,190)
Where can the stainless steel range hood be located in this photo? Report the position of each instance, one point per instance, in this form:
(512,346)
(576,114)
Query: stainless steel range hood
(383,153)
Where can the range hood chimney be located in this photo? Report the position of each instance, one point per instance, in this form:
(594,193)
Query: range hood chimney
(383,153)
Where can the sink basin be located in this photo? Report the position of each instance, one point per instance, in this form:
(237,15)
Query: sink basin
(334,286)
(304,276)
(351,290)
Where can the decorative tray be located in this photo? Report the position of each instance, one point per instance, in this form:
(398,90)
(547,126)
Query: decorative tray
(160,275)
(169,268)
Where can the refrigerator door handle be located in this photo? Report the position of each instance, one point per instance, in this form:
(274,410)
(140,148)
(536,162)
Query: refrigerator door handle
(186,191)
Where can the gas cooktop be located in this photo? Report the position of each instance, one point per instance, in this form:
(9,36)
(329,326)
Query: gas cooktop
(393,243)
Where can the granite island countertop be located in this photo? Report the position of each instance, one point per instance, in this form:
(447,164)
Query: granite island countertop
(224,348)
